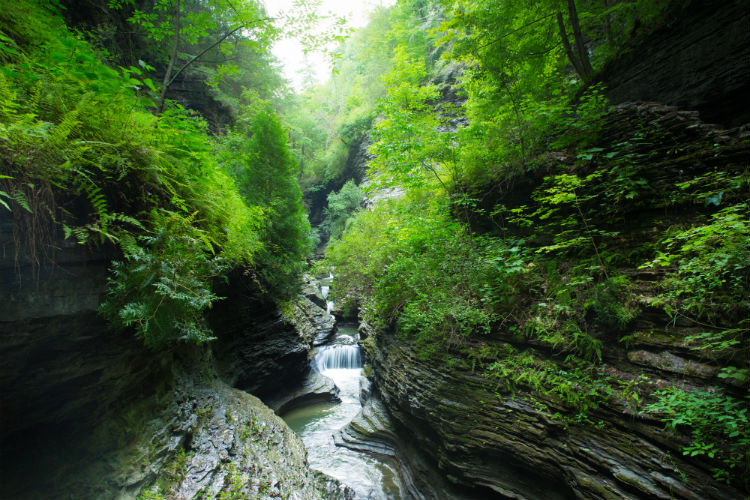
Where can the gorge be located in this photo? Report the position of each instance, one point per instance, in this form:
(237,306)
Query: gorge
(465,267)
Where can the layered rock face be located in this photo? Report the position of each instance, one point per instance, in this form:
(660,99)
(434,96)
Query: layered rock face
(60,362)
(700,61)
(528,444)
(89,412)
(503,446)
(260,350)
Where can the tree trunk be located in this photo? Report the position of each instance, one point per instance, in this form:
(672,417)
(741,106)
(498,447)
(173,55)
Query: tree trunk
(577,54)
(566,44)
(583,55)
(608,25)
(168,74)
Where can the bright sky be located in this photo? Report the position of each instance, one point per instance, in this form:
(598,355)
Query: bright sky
(289,51)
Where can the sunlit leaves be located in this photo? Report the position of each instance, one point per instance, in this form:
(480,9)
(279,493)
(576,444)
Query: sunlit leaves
(409,145)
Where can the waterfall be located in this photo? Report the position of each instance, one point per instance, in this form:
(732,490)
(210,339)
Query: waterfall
(324,291)
(338,357)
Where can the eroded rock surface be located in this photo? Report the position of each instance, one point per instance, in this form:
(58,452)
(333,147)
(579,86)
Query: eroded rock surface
(479,437)
(312,321)
(91,413)
(700,61)
(262,350)
(315,389)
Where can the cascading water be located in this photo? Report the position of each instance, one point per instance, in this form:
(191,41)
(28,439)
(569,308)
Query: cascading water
(368,477)
(324,289)
(339,357)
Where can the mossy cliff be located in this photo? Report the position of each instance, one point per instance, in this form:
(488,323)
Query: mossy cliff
(520,412)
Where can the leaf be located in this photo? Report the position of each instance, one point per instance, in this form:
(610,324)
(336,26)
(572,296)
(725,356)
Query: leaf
(150,84)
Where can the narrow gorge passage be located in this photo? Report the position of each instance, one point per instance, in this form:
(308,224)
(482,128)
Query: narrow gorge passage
(537,215)
(341,361)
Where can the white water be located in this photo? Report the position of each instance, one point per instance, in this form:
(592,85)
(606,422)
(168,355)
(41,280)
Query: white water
(324,289)
(338,357)
(369,478)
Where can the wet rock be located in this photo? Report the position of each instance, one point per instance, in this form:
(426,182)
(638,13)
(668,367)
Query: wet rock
(311,290)
(370,431)
(315,389)
(195,437)
(373,432)
(241,447)
(365,389)
(312,321)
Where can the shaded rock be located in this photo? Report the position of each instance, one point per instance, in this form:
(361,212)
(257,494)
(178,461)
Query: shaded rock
(666,361)
(700,61)
(262,350)
(316,388)
(90,413)
(194,438)
(61,363)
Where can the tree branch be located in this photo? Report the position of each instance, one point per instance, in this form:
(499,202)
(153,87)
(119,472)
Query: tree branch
(167,82)
(515,31)
(195,58)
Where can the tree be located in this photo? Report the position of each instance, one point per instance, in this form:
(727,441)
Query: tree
(577,55)
(412,143)
(341,207)
(202,26)
(256,154)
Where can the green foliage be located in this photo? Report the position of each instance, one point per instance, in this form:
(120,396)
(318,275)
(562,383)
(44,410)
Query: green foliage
(341,207)
(578,386)
(718,422)
(255,153)
(327,120)
(164,284)
(81,152)
(425,272)
(516,228)
(410,147)
(711,282)
(712,279)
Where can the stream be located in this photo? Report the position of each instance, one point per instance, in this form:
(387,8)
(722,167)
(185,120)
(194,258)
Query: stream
(340,360)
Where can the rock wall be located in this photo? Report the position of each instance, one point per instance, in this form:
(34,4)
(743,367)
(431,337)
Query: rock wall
(88,412)
(61,364)
(699,61)
(503,446)
(259,351)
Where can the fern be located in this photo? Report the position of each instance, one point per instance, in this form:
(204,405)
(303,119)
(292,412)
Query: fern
(163,285)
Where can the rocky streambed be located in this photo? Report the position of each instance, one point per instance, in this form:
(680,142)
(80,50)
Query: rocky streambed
(319,422)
